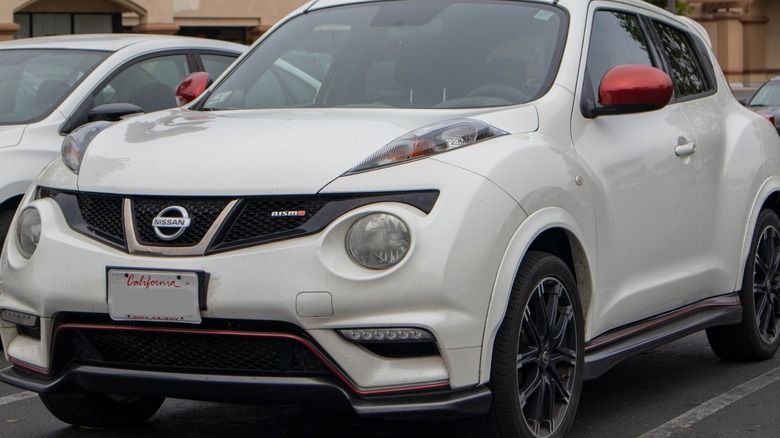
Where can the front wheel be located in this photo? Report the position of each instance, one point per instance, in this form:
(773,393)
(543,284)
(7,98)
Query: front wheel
(102,410)
(757,337)
(536,375)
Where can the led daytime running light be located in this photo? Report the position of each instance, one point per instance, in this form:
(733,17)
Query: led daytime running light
(386,335)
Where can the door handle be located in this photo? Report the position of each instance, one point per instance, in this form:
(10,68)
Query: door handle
(684,148)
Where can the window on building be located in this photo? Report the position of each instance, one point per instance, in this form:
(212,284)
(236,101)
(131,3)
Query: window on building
(45,24)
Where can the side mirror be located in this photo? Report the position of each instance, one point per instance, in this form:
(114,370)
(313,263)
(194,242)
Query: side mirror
(112,112)
(634,88)
(191,87)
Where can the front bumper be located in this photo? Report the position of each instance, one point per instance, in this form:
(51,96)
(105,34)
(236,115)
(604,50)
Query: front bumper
(443,286)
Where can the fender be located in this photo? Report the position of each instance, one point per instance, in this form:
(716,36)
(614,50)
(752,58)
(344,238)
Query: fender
(771,185)
(536,224)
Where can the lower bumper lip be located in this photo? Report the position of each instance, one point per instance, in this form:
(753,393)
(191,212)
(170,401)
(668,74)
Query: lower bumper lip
(252,389)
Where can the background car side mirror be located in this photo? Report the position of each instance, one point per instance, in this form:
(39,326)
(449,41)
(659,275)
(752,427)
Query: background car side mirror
(112,112)
(192,86)
(633,88)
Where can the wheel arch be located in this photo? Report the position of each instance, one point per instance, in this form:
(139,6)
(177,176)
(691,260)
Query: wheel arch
(552,230)
(11,203)
(768,196)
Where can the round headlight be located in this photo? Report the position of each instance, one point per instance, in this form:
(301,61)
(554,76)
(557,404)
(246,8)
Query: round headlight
(378,241)
(28,231)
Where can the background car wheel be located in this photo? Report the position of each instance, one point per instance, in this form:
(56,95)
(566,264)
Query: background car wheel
(102,410)
(536,376)
(6,214)
(758,335)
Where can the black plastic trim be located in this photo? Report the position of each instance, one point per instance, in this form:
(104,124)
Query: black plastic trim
(251,389)
(609,349)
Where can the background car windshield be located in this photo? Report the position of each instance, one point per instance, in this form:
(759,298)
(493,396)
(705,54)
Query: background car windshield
(401,54)
(33,82)
(768,95)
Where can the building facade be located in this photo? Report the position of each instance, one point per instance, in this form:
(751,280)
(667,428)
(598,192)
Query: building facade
(745,36)
(233,20)
(745,33)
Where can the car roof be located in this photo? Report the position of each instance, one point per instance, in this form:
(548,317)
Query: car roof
(115,42)
(321,4)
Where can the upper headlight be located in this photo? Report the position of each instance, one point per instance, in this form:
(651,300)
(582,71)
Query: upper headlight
(75,143)
(28,231)
(432,139)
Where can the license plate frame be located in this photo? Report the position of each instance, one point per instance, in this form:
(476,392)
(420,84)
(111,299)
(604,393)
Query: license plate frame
(153,295)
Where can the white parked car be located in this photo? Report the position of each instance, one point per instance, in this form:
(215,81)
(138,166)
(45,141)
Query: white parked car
(406,208)
(49,86)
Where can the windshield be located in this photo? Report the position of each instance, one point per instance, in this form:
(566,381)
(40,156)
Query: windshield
(34,82)
(401,54)
(768,95)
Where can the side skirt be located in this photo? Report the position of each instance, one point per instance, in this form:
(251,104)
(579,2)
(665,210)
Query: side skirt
(607,350)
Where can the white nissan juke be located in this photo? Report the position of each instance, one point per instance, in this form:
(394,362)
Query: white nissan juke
(409,207)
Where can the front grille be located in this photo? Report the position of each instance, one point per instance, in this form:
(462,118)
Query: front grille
(244,353)
(203,213)
(255,219)
(103,215)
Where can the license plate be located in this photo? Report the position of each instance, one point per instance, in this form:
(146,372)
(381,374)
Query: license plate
(153,296)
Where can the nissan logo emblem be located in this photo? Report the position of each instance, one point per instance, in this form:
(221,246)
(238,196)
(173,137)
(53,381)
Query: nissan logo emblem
(171,223)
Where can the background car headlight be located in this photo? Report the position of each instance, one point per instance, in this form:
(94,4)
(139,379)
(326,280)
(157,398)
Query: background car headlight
(378,241)
(28,231)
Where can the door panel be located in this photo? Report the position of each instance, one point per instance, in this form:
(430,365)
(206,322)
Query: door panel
(645,188)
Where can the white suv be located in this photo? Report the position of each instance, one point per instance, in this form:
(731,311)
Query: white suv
(405,207)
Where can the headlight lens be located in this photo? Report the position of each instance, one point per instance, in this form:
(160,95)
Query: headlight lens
(378,241)
(432,139)
(75,143)
(28,231)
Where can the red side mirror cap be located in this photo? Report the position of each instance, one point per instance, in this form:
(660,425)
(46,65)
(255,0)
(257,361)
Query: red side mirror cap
(635,88)
(191,87)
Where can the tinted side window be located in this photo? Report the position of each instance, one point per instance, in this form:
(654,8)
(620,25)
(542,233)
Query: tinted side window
(616,39)
(687,74)
(148,83)
(216,64)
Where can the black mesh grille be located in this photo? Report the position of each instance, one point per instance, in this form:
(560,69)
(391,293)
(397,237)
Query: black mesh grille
(261,218)
(187,352)
(203,213)
(102,214)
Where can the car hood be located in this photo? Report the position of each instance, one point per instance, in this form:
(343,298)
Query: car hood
(11,135)
(246,152)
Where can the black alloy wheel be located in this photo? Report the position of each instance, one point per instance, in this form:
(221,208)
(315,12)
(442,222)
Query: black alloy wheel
(757,337)
(538,355)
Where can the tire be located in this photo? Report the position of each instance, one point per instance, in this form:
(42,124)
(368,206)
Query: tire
(538,356)
(757,336)
(6,214)
(102,410)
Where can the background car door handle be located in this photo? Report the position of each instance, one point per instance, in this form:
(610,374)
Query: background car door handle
(684,148)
